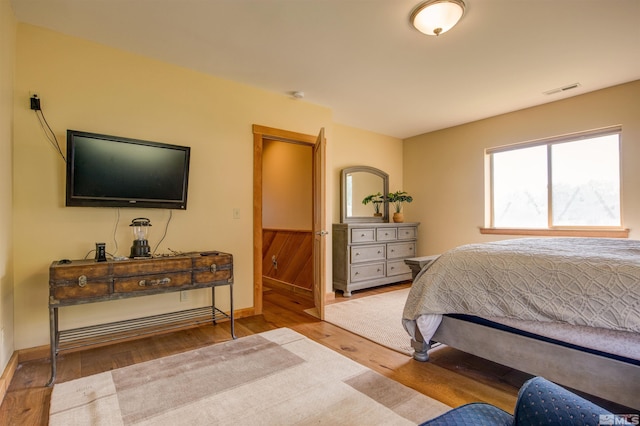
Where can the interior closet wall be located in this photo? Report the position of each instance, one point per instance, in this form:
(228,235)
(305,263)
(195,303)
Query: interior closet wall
(287,216)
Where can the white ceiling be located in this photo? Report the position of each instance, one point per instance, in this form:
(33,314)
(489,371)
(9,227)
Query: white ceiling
(364,60)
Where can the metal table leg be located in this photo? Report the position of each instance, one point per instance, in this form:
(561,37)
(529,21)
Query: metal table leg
(233,333)
(213,304)
(54,339)
(213,308)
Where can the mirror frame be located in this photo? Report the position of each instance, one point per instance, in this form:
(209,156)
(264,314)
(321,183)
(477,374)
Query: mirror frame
(343,194)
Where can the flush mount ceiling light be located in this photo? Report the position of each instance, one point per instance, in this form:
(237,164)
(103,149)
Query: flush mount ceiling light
(435,17)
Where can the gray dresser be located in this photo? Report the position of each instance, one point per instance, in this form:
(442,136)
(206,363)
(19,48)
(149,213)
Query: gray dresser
(371,254)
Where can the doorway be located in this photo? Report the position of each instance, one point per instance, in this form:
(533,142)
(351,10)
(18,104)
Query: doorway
(265,137)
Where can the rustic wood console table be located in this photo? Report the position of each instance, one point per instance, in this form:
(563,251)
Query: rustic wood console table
(87,281)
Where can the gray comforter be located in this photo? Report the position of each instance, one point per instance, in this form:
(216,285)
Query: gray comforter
(581,281)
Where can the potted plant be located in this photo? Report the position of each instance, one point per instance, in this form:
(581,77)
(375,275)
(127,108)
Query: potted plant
(376,200)
(398,198)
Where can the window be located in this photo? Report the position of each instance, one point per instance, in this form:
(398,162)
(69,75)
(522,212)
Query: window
(568,182)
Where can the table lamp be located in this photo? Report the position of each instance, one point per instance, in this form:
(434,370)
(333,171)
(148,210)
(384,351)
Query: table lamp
(140,247)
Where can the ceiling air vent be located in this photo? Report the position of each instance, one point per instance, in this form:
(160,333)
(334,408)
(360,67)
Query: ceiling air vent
(562,89)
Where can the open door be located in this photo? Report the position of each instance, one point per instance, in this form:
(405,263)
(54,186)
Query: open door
(260,134)
(319,233)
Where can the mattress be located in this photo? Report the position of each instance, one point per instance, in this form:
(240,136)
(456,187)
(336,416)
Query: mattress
(621,345)
(582,291)
(593,282)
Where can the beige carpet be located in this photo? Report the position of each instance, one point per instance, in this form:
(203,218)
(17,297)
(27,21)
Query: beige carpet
(274,378)
(378,318)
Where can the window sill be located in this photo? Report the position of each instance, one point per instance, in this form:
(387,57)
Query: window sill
(601,233)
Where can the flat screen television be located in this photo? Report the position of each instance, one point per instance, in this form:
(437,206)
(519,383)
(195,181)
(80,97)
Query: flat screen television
(112,171)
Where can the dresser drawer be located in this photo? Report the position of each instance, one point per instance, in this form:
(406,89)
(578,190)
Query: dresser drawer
(363,235)
(82,289)
(397,267)
(407,233)
(367,272)
(79,280)
(149,266)
(205,277)
(212,267)
(387,234)
(71,272)
(151,282)
(367,253)
(400,250)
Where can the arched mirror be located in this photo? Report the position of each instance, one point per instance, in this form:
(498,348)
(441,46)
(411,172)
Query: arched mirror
(358,183)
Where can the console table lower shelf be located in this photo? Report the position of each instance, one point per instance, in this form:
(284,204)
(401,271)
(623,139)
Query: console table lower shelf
(79,282)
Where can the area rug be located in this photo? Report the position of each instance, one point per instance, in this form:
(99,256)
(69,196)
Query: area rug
(377,318)
(274,378)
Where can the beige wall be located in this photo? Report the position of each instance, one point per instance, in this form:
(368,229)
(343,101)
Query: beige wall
(356,147)
(444,170)
(90,87)
(86,86)
(7,64)
(287,190)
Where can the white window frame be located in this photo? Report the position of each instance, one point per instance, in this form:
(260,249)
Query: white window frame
(606,231)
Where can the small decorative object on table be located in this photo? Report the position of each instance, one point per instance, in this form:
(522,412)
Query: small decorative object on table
(376,200)
(397,198)
(140,247)
(101,252)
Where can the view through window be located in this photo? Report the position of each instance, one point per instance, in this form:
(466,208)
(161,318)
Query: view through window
(569,182)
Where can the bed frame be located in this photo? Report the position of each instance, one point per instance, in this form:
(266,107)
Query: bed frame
(608,378)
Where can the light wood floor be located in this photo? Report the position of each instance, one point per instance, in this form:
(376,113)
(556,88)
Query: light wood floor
(451,376)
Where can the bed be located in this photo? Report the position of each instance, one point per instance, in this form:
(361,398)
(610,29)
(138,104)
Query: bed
(567,309)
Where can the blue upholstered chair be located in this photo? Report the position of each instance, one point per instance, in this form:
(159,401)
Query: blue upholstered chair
(540,402)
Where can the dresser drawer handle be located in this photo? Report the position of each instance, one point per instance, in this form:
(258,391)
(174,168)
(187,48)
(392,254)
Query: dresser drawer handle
(357,253)
(357,273)
(362,235)
(214,267)
(147,283)
(82,280)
